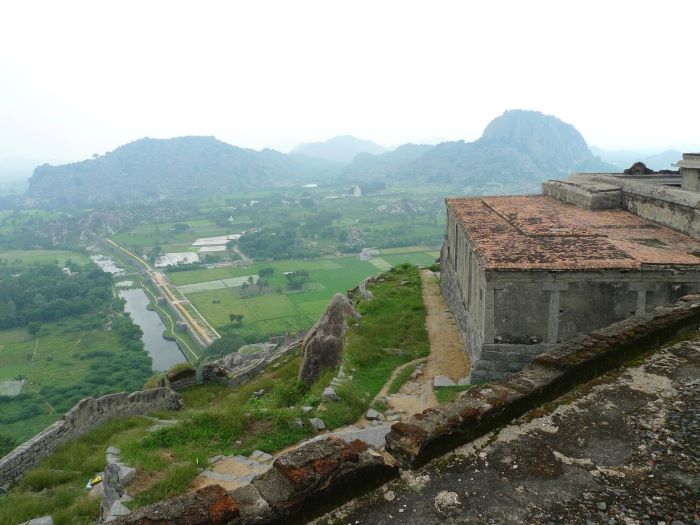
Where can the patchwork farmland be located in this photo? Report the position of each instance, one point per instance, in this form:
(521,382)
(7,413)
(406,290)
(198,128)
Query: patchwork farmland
(223,292)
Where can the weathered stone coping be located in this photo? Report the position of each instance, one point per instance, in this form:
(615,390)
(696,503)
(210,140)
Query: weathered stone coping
(317,476)
(438,430)
(87,414)
(216,371)
(302,484)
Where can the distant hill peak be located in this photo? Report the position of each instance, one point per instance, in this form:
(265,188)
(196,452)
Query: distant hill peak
(343,148)
(150,169)
(517,151)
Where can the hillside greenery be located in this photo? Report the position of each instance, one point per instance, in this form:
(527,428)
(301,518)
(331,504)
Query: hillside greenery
(45,293)
(231,420)
(152,169)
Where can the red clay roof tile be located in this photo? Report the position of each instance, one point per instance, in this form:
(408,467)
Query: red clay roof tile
(536,232)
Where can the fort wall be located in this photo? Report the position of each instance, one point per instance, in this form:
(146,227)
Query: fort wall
(86,415)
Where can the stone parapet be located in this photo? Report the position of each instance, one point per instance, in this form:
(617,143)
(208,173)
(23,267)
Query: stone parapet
(302,484)
(496,361)
(592,196)
(224,371)
(437,430)
(87,414)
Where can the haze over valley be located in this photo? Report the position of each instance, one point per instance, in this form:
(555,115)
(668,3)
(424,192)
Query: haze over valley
(270,223)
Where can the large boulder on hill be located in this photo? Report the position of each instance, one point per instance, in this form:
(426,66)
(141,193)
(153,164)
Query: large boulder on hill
(323,345)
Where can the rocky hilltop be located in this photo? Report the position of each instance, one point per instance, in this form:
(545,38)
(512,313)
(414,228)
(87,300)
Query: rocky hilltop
(518,149)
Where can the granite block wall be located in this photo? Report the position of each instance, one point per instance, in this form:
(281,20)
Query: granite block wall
(87,414)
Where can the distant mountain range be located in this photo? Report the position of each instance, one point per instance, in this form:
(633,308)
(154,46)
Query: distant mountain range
(517,151)
(151,169)
(624,159)
(342,149)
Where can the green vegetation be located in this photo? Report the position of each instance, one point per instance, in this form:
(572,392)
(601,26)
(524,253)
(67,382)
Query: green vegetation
(445,394)
(391,332)
(44,292)
(222,420)
(280,306)
(403,376)
(56,486)
(179,367)
(76,343)
(60,257)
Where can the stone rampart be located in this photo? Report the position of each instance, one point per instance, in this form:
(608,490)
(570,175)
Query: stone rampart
(226,371)
(87,414)
(435,431)
(301,485)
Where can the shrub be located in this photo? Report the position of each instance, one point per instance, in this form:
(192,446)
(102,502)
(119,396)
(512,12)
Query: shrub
(180,367)
(153,381)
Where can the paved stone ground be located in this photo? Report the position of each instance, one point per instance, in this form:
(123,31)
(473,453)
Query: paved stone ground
(624,450)
(231,472)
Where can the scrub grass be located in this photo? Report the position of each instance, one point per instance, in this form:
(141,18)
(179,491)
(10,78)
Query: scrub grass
(391,332)
(401,378)
(445,394)
(231,420)
(56,486)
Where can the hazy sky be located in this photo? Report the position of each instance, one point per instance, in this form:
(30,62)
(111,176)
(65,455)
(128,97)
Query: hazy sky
(83,77)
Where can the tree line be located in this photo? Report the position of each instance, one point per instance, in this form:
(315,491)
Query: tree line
(44,292)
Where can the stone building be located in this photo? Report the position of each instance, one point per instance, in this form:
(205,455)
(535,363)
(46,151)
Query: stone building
(523,273)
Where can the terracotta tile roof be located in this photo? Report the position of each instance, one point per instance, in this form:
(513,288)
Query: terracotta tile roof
(536,232)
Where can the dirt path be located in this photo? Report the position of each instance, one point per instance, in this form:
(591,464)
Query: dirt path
(447,356)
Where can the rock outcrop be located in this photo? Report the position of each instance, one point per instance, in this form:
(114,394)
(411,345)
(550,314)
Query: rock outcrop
(323,345)
(638,168)
(182,379)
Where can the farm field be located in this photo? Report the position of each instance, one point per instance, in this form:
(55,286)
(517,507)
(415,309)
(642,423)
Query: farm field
(147,235)
(68,360)
(278,309)
(43,256)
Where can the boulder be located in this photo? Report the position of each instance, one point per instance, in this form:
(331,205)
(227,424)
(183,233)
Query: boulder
(46,520)
(374,415)
(440,381)
(317,423)
(322,346)
(329,394)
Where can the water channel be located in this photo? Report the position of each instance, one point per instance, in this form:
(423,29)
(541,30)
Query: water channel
(163,352)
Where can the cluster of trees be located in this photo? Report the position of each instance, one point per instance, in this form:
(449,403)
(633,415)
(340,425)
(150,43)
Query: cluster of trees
(236,319)
(274,243)
(296,280)
(230,341)
(44,292)
(266,272)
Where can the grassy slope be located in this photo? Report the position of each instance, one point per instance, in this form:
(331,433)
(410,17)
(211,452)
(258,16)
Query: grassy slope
(287,310)
(221,420)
